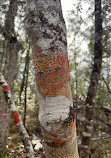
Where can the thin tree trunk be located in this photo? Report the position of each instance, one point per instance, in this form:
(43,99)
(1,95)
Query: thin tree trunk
(17,119)
(12,45)
(90,100)
(26,85)
(47,34)
(23,81)
(11,50)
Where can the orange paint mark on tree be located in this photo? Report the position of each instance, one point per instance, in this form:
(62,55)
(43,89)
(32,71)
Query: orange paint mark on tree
(52,72)
(73,124)
(57,141)
(6,88)
(62,136)
(16,117)
(67,137)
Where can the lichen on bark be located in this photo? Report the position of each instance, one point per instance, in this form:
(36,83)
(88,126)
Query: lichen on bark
(46,29)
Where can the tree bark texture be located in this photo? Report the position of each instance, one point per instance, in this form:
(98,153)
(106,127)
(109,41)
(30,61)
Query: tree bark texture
(90,100)
(11,52)
(47,34)
(17,119)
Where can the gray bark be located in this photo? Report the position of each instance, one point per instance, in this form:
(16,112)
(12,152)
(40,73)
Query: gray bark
(17,118)
(11,50)
(47,34)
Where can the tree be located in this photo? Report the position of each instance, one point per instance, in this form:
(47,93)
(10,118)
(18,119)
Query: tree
(12,47)
(17,118)
(90,100)
(47,34)
(26,74)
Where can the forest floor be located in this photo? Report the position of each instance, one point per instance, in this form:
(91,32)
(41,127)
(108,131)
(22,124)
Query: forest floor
(100,147)
(16,147)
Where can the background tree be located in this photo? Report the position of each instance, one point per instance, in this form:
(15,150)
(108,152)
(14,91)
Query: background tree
(11,49)
(90,100)
(85,64)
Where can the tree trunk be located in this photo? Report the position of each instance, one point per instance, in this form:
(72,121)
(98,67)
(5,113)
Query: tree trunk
(47,34)
(11,48)
(17,118)
(90,100)
(26,85)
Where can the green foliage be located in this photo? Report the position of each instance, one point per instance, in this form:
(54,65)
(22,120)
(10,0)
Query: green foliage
(84,59)
(91,45)
(3,155)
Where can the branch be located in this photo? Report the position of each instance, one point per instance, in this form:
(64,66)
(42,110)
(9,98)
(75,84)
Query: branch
(1,30)
(108,88)
(17,119)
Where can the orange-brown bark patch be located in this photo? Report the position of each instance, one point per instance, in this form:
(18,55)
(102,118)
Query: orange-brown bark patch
(52,73)
(66,90)
(16,117)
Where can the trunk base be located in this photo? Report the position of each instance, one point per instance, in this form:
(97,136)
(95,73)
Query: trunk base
(67,149)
